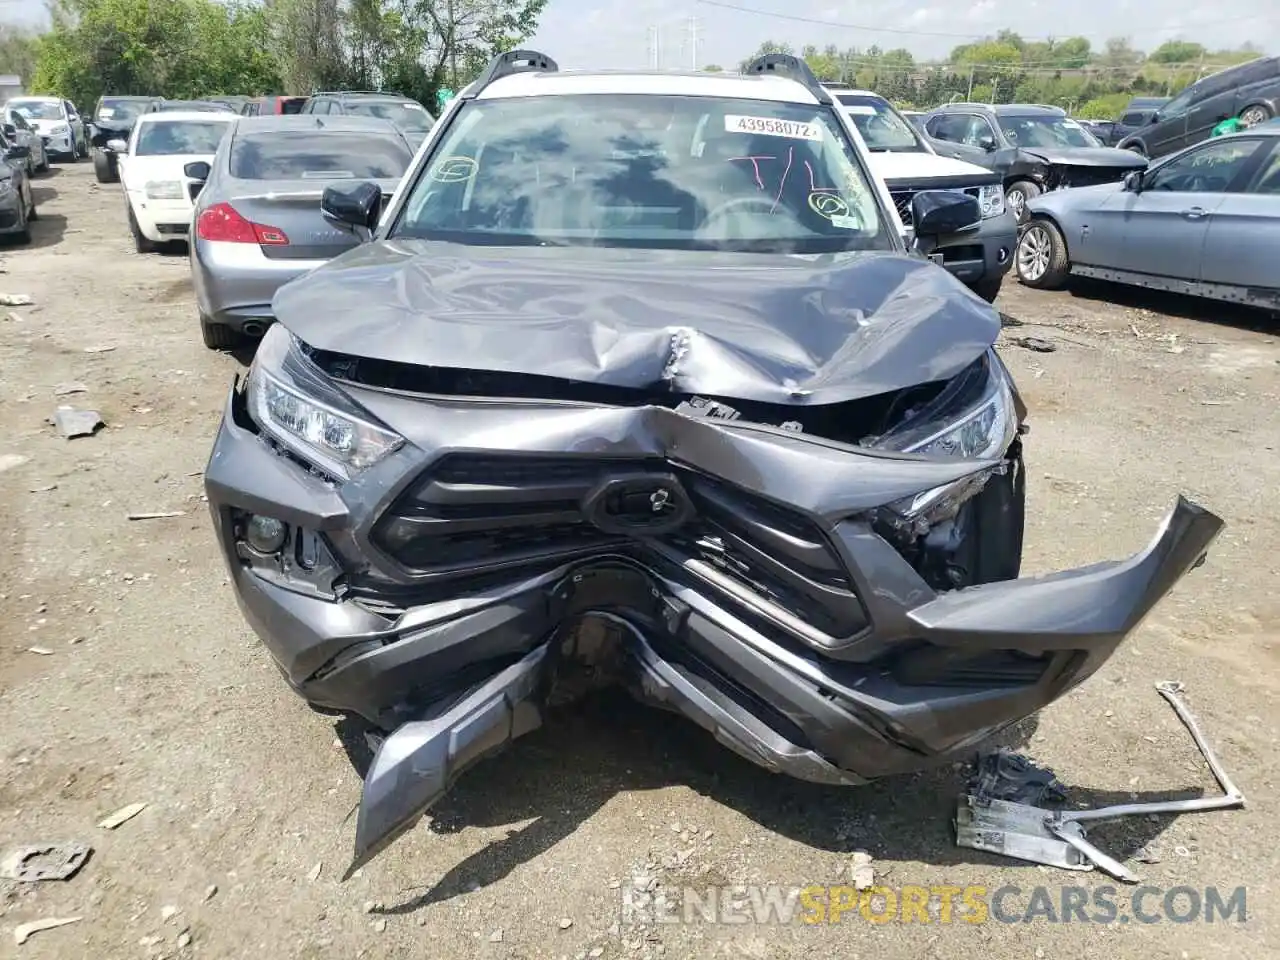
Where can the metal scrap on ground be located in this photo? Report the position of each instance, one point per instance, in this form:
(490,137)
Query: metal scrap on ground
(999,812)
(44,861)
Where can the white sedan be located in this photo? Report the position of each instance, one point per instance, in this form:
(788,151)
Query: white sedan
(158,193)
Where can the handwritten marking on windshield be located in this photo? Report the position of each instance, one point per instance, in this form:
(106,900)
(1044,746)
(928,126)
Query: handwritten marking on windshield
(454,170)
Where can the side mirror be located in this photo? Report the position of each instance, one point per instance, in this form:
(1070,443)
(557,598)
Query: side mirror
(988,144)
(10,130)
(355,209)
(936,213)
(117,146)
(1155,117)
(1133,181)
(197,170)
(17,152)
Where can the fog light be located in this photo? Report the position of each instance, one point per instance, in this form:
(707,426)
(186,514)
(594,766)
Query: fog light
(265,534)
(1002,255)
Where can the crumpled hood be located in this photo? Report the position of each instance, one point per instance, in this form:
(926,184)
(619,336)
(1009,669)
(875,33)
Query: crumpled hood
(773,328)
(1088,156)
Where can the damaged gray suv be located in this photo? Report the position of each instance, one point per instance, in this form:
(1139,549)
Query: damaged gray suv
(648,351)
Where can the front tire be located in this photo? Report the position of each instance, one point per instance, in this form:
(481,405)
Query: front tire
(104,168)
(141,243)
(1041,256)
(1016,196)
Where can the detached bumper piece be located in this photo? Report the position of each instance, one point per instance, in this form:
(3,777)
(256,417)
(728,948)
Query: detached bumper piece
(744,580)
(1003,811)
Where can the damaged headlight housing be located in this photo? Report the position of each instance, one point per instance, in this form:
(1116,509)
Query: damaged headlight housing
(295,404)
(972,418)
(991,200)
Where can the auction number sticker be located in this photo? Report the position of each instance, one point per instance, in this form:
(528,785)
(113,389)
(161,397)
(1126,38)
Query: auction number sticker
(772,127)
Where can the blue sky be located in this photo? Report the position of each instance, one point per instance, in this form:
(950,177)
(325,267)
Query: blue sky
(615,33)
(602,33)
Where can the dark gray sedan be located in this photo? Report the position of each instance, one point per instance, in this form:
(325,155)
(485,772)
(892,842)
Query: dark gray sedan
(1202,222)
(257,222)
(17,204)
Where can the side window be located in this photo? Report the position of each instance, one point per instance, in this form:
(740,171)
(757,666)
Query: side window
(1132,119)
(335,106)
(1178,105)
(1211,169)
(978,129)
(950,127)
(1268,179)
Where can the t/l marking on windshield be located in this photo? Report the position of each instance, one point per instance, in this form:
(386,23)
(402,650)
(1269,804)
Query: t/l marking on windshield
(772,127)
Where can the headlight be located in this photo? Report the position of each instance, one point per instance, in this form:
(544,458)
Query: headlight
(298,406)
(60,130)
(991,200)
(164,190)
(972,418)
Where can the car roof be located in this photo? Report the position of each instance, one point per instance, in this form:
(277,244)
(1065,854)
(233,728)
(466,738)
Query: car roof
(40,99)
(173,116)
(271,122)
(653,83)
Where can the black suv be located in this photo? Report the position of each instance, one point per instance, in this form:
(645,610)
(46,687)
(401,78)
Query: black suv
(1034,148)
(1250,91)
(409,116)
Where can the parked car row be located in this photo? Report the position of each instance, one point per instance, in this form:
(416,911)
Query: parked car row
(33,132)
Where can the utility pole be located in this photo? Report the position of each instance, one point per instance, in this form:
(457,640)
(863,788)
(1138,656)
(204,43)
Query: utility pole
(453,48)
(969,96)
(693,42)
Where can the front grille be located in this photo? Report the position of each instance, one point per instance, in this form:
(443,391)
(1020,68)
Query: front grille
(470,514)
(902,200)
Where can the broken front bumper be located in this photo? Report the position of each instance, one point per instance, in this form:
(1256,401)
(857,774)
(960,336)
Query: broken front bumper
(432,595)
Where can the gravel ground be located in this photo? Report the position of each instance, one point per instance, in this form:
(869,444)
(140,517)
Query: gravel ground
(144,685)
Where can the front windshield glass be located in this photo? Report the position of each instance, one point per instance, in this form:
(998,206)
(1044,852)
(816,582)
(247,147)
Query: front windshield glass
(405,115)
(38,109)
(882,128)
(114,108)
(168,138)
(671,172)
(1046,131)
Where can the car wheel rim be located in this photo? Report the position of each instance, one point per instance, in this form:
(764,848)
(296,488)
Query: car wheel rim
(1017,202)
(1033,253)
(1253,116)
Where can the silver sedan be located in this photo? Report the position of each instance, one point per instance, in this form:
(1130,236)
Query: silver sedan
(1201,222)
(257,222)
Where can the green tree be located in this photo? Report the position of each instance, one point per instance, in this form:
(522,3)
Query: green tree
(1177,51)
(172,48)
(18,51)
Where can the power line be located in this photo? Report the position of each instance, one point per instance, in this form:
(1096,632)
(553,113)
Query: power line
(955,36)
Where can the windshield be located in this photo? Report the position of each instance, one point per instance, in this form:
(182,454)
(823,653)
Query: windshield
(1046,131)
(38,109)
(404,114)
(324,155)
(882,128)
(169,138)
(113,108)
(646,171)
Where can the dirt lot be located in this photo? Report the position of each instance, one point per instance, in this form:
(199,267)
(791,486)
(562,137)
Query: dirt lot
(145,686)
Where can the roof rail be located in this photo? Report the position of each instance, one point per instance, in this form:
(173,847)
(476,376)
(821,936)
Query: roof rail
(786,65)
(513,61)
(339,93)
